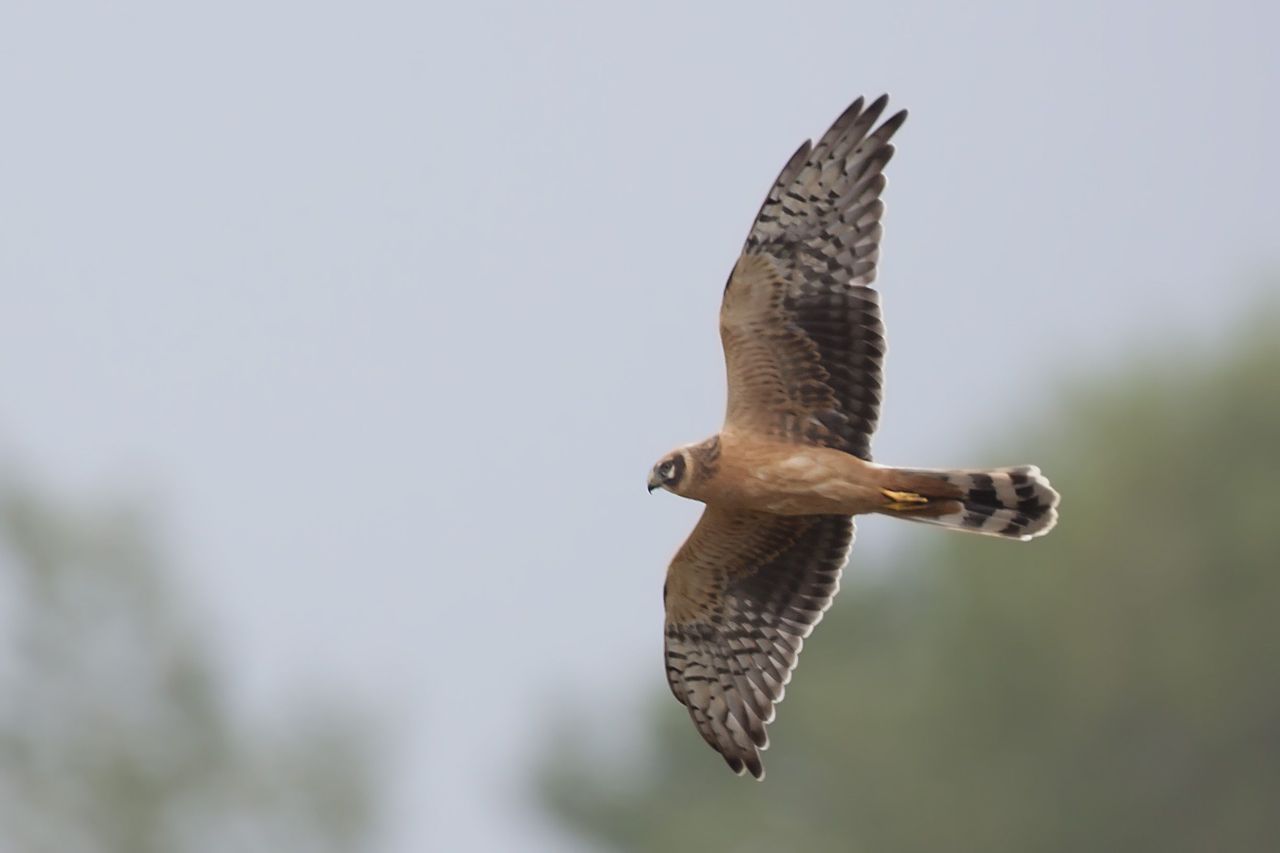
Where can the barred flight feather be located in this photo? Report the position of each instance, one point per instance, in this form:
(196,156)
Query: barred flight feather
(731,648)
(815,243)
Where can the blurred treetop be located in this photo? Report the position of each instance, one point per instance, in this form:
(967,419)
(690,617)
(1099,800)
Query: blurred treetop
(114,733)
(1113,686)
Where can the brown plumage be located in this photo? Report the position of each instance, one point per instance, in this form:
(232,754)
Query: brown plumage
(804,347)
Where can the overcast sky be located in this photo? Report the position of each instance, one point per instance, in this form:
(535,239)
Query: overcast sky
(385,310)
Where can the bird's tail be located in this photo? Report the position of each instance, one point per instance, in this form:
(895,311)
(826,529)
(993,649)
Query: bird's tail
(1015,503)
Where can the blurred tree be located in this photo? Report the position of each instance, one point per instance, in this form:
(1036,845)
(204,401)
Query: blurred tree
(114,737)
(1111,687)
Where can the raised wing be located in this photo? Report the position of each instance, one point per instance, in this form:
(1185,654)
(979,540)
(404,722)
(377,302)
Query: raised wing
(741,595)
(801,328)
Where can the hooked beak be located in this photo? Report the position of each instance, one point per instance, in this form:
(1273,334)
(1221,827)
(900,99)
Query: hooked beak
(654,483)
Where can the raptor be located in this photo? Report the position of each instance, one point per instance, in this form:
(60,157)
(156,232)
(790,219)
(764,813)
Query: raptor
(804,349)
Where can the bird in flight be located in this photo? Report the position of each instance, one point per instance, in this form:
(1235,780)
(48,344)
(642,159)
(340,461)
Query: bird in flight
(804,349)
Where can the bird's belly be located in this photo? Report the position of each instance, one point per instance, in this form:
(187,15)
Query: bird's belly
(805,482)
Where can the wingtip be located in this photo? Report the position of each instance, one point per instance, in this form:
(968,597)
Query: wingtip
(893,122)
(749,765)
(801,153)
(850,113)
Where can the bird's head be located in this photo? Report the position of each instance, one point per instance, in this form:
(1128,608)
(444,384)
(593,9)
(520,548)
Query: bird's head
(670,472)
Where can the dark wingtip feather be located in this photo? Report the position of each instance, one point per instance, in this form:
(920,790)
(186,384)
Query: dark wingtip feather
(850,113)
(874,109)
(891,125)
(797,159)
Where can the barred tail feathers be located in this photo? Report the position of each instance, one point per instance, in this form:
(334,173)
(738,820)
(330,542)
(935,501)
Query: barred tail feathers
(1014,503)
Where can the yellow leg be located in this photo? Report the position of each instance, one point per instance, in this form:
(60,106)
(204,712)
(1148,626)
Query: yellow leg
(904,501)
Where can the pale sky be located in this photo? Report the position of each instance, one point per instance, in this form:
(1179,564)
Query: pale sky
(386,309)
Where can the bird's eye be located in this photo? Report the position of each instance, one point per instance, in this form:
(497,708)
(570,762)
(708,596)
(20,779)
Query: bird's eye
(667,469)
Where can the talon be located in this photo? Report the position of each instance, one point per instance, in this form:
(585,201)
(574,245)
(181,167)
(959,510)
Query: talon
(904,501)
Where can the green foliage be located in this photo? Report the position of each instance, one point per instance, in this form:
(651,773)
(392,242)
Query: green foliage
(114,735)
(1110,687)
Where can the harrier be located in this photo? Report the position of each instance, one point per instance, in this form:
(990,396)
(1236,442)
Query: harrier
(804,347)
